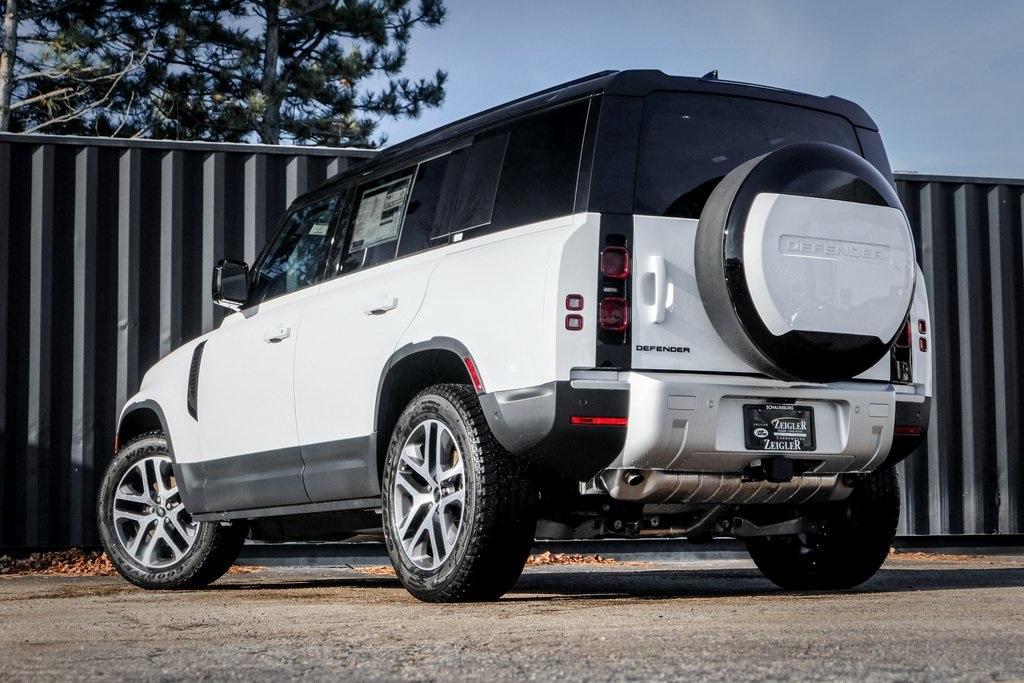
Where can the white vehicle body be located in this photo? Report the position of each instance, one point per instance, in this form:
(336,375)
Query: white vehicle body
(287,407)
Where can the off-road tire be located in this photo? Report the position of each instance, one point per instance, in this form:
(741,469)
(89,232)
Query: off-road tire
(216,547)
(855,538)
(500,504)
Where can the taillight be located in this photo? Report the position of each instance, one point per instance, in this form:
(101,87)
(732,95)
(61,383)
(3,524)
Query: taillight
(904,338)
(900,361)
(615,263)
(614,290)
(589,421)
(613,314)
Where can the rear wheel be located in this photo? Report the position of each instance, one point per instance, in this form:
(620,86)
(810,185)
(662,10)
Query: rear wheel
(148,534)
(458,508)
(852,542)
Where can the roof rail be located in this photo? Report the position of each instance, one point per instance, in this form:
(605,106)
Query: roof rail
(504,105)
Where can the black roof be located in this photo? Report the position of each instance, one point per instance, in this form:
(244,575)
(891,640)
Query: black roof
(635,82)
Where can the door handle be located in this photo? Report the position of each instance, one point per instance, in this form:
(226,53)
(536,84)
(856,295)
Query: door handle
(657,266)
(385,304)
(278,333)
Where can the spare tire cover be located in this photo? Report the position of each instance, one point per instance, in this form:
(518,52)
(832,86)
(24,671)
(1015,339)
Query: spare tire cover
(805,263)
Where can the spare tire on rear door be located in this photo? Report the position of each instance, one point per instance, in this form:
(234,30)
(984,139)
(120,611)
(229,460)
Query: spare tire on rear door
(805,263)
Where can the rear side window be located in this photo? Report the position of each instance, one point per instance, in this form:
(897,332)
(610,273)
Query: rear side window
(377,223)
(538,178)
(426,218)
(690,141)
(523,173)
(295,259)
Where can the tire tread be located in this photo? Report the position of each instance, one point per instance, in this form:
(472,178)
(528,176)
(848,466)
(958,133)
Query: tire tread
(216,555)
(502,533)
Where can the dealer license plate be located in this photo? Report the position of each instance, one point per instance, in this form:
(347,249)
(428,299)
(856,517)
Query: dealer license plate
(778,427)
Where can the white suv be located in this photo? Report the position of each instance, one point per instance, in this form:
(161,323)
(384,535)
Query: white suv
(629,305)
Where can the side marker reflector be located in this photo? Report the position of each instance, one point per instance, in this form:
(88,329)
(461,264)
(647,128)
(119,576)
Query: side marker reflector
(474,375)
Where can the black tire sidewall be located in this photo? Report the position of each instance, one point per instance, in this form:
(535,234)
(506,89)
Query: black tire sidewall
(860,532)
(173,576)
(425,407)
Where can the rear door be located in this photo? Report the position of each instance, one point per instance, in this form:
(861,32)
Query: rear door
(689,142)
(352,328)
(670,329)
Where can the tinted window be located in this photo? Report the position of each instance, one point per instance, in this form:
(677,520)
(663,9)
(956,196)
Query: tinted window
(480,181)
(523,173)
(690,142)
(425,218)
(538,178)
(377,221)
(295,259)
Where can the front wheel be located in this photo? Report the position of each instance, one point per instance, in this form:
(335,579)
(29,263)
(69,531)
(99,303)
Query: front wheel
(852,539)
(148,534)
(458,508)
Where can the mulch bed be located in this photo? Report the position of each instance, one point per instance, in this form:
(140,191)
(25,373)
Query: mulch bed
(74,562)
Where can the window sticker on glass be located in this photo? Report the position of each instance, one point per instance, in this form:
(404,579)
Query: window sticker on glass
(319,228)
(380,213)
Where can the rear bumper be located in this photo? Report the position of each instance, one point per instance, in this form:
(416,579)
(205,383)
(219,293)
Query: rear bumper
(913,413)
(681,422)
(535,423)
(694,423)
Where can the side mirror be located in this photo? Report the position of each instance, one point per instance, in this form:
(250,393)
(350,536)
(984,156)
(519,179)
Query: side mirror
(231,284)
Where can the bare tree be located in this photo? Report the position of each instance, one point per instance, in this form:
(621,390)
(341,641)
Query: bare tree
(62,68)
(8,51)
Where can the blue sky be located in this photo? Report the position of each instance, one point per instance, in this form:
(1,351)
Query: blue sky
(944,80)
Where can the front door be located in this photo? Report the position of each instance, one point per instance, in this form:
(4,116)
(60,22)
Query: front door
(246,396)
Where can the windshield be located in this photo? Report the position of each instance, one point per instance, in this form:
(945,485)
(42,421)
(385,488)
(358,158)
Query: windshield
(691,141)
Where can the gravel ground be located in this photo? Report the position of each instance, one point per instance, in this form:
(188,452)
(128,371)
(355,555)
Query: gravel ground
(920,618)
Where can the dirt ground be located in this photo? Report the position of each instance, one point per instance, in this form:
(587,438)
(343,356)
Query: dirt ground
(922,617)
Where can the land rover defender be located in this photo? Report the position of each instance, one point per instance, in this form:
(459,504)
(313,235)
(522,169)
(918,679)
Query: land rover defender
(628,305)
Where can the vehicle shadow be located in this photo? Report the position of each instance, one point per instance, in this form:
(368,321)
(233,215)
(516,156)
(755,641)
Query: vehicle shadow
(584,583)
(741,582)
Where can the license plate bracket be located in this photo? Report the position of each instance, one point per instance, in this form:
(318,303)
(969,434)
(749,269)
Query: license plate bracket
(778,427)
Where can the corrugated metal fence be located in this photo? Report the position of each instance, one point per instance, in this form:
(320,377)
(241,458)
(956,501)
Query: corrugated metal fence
(106,249)
(969,478)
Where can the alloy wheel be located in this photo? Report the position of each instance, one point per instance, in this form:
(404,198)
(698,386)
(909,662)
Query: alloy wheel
(429,495)
(150,522)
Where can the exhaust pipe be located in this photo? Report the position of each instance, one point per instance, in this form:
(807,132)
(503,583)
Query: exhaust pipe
(634,478)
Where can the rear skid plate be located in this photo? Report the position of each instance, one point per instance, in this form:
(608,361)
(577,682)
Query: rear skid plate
(662,486)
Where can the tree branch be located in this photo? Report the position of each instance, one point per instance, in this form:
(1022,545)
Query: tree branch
(71,116)
(40,97)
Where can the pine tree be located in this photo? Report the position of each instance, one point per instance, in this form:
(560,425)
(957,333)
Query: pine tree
(301,71)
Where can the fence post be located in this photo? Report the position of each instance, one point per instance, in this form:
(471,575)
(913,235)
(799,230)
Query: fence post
(83,375)
(38,520)
(129,183)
